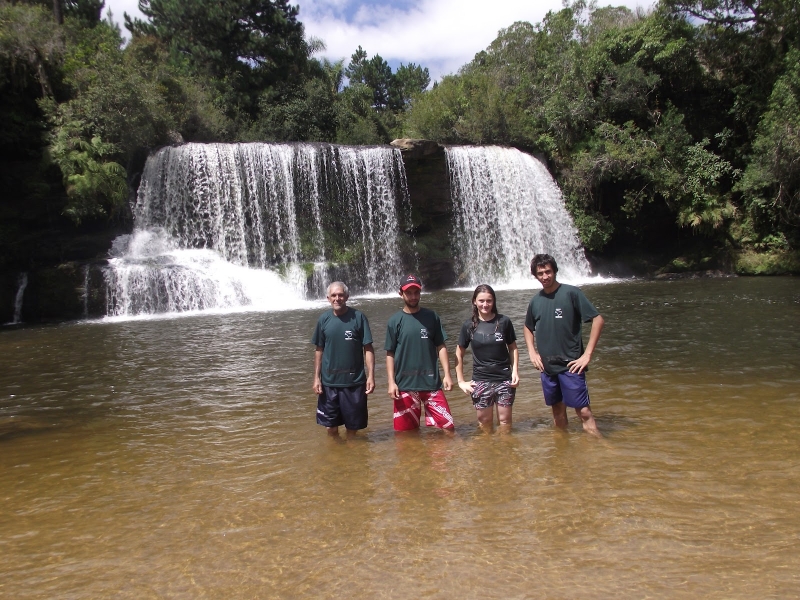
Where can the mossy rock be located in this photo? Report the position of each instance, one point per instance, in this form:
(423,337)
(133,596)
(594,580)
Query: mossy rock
(768,263)
(690,263)
(55,293)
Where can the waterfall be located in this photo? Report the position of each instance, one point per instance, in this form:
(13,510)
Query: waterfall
(22,283)
(507,208)
(85,292)
(227,226)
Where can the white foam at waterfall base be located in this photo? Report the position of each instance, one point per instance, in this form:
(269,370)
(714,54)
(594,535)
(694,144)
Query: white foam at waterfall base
(150,275)
(530,283)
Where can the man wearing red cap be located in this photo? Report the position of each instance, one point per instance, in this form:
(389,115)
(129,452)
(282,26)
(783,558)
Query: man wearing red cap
(414,342)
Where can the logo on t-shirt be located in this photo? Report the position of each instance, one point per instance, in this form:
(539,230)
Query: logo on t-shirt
(559,313)
(348,335)
(423,333)
(498,336)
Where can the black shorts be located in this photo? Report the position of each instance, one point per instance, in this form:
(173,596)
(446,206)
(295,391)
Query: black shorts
(343,406)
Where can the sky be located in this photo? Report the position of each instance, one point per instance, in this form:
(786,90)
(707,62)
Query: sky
(442,35)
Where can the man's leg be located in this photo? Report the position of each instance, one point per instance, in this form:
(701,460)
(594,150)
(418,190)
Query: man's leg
(576,395)
(551,389)
(560,415)
(437,410)
(329,413)
(353,406)
(407,411)
(589,424)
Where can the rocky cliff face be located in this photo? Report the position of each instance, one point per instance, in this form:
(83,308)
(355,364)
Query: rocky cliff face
(431,211)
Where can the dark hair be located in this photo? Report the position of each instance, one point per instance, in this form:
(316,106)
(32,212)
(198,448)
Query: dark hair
(481,289)
(543,260)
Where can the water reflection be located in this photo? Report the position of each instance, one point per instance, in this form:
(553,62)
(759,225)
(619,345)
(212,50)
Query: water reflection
(181,458)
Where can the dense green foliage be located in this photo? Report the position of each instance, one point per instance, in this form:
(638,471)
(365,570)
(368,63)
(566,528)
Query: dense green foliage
(658,126)
(78,99)
(681,120)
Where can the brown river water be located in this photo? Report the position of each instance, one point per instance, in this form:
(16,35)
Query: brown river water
(179,458)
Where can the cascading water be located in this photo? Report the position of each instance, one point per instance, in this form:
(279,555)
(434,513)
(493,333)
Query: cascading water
(22,283)
(507,207)
(221,226)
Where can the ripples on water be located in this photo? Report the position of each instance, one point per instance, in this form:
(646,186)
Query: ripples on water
(180,458)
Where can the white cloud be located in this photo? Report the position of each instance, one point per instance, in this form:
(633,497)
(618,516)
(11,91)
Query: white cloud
(442,35)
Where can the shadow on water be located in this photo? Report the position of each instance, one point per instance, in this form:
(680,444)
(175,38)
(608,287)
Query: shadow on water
(613,424)
(18,426)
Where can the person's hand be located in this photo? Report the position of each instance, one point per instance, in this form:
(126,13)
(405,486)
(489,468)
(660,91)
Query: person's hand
(394,391)
(536,360)
(370,385)
(514,379)
(317,386)
(447,383)
(579,364)
(466,387)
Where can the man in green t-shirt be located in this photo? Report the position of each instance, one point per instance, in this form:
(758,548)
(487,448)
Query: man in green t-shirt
(414,349)
(556,348)
(343,343)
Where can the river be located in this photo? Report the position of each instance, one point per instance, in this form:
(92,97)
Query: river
(179,458)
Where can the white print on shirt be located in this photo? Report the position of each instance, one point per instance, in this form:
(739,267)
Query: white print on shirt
(423,333)
(559,314)
(348,335)
(498,336)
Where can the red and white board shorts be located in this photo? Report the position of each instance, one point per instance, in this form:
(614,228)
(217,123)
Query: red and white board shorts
(408,409)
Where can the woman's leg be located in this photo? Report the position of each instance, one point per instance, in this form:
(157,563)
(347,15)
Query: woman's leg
(504,416)
(486,418)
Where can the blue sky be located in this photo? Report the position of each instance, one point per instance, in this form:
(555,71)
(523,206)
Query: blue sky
(442,35)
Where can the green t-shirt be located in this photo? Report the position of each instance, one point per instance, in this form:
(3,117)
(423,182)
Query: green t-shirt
(556,321)
(342,340)
(413,338)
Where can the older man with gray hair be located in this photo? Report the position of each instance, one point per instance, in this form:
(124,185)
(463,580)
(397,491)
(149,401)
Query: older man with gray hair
(344,364)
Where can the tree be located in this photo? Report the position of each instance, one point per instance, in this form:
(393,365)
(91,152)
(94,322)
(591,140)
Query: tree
(771,182)
(740,14)
(89,12)
(374,73)
(304,112)
(261,40)
(29,44)
(410,81)
(120,101)
(705,206)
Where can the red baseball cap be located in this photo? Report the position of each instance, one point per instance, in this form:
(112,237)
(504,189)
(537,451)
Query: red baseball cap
(410,281)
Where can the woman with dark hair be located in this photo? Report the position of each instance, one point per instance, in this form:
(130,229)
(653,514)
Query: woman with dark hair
(495,360)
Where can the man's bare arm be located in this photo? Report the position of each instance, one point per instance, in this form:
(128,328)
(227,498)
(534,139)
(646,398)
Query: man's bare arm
(369,362)
(394,391)
(317,370)
(447,380)
(530,341)
(578,365)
